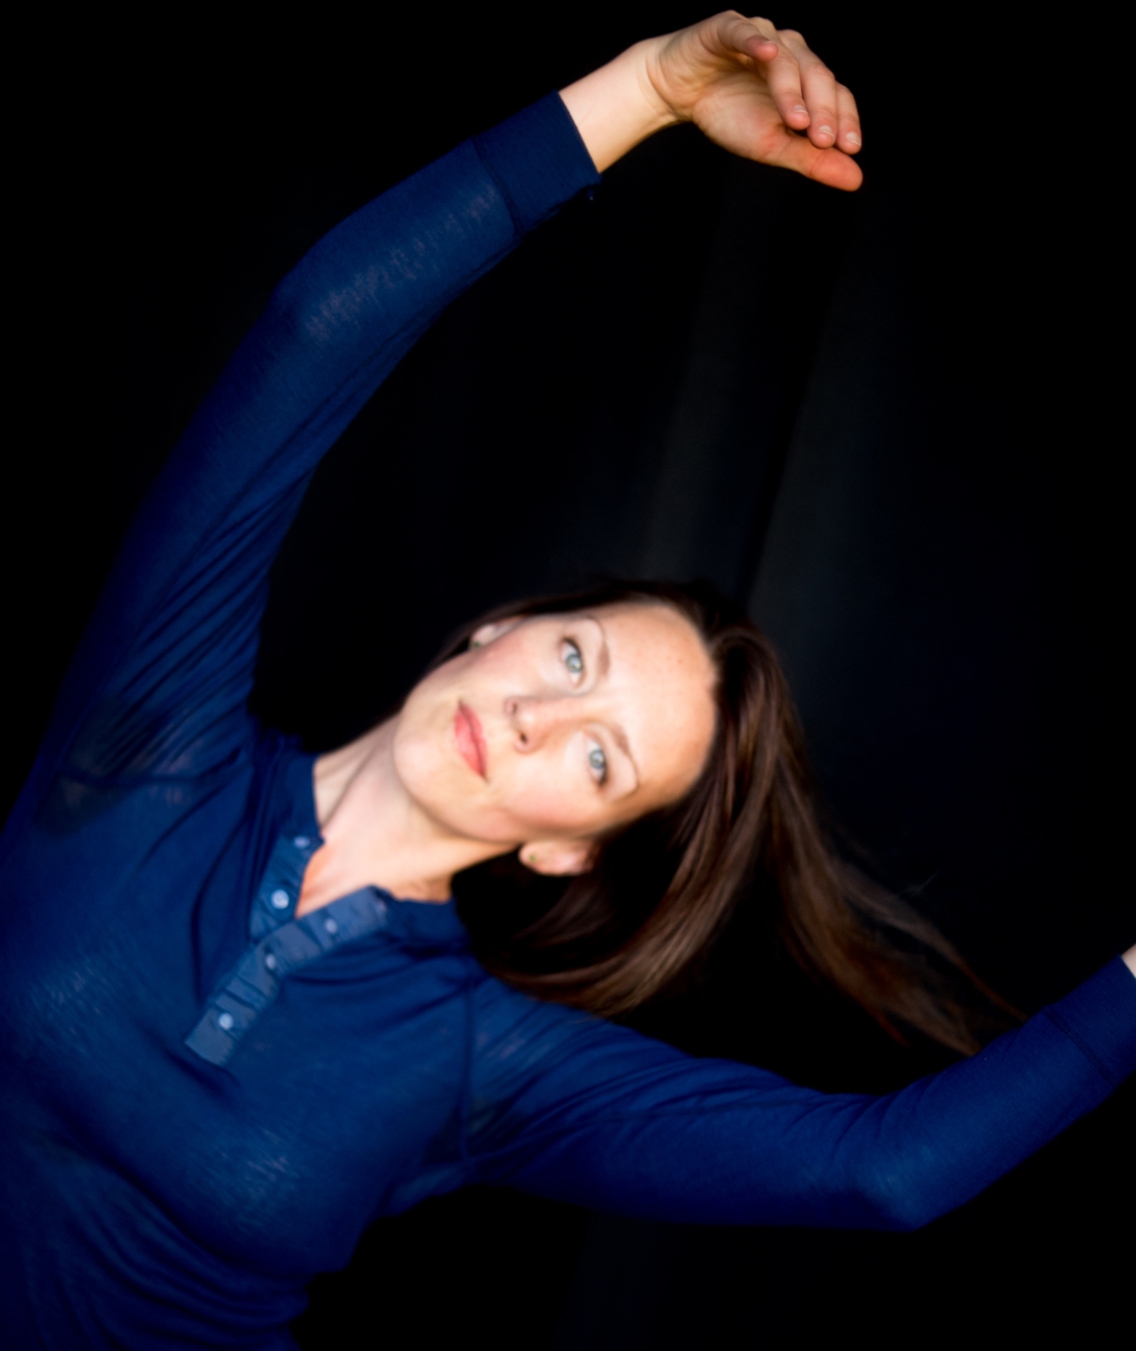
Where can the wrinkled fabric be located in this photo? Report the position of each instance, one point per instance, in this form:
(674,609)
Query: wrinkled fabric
(205,1100)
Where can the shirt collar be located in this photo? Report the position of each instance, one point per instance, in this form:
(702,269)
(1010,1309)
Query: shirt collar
(425,924)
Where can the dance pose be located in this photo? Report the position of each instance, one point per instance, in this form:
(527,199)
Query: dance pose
(240,1016)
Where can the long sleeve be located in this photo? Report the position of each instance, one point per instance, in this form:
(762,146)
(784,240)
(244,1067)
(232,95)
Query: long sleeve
(160,682)
(567,1107)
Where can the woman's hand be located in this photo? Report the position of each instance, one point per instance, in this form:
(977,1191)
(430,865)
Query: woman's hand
(749,87)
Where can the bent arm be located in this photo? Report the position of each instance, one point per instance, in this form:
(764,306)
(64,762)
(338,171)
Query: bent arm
(160,682)
(573,1109)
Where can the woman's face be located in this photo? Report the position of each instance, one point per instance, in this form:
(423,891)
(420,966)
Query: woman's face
(551,730)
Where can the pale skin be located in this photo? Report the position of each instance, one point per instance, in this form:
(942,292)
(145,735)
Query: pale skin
(547,733)
(551,731)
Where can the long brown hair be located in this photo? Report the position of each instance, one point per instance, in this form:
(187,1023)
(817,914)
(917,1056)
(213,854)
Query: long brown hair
(662,889)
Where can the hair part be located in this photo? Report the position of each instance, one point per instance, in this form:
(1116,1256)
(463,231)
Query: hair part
(662,889)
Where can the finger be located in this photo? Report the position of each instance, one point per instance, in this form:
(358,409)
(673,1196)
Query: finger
(783,76)
(752,37)
(848,137)
(818,85)
(829,166)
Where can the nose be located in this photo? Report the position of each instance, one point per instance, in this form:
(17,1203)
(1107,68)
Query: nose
(535,719)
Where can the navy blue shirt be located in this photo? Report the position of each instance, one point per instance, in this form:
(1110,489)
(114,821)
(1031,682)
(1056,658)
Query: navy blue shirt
(206,1100)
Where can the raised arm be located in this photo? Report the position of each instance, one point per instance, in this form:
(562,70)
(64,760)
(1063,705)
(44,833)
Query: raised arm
(160,683)
(161,679)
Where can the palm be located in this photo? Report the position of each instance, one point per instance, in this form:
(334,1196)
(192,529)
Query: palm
(738,112)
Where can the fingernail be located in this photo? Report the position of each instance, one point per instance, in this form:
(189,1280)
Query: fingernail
(853,139)
(800,108)
(824,131)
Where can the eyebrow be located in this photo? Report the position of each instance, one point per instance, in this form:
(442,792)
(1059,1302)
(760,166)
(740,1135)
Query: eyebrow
(620,738)
(603,661)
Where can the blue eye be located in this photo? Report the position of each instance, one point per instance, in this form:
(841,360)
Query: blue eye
(573,659)
(597,761)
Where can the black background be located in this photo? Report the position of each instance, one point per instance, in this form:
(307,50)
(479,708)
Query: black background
(891,422)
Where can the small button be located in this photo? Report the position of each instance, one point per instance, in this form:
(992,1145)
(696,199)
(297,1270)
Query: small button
(330,925)
(301,841)
(225,1021)
(270,961)
(280,899)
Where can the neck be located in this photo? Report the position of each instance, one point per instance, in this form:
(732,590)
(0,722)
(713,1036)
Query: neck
(375,834)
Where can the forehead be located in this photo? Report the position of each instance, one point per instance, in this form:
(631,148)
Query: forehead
(652,641)
(660,683)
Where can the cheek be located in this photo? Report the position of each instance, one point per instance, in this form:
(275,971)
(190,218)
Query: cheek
(420,766)
(420,741)
(551,795)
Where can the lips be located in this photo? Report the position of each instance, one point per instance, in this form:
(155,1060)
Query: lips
(471,739)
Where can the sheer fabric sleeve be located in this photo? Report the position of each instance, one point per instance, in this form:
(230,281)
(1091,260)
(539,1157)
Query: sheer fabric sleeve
(568,1107)
(161,679)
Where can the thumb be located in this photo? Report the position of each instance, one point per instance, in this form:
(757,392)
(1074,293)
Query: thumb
(829,166)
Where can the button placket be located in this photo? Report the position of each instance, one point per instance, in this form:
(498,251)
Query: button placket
(280,885)
(255,981)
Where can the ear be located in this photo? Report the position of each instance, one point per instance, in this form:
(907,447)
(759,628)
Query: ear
(484,635)
(559,858)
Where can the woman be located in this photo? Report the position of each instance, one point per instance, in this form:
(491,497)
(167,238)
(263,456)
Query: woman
(242,1018)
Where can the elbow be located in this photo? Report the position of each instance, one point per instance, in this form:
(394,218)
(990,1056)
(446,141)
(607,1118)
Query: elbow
(320,315)
(299,318)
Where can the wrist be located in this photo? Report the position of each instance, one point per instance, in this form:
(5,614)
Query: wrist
(617,106)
